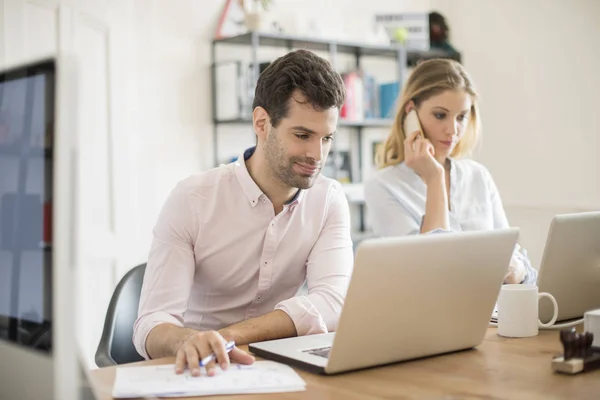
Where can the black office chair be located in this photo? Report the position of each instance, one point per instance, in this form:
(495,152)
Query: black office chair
(116,345)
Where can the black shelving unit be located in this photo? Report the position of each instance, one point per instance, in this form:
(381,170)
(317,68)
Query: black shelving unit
(255,40)
(366,123)
(342,47)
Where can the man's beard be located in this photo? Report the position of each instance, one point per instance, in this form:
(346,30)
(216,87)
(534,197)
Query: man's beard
(283,169)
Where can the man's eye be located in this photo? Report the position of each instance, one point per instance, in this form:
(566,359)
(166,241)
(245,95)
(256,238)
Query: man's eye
(328,138)
(302,136)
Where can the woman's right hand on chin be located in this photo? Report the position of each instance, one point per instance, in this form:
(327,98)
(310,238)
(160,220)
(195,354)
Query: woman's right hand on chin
(419,155)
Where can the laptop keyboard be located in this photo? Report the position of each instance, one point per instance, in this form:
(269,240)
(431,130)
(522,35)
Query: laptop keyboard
(321,352)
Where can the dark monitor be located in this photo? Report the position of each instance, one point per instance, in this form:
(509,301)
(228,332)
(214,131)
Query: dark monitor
(38,348)
(26,150)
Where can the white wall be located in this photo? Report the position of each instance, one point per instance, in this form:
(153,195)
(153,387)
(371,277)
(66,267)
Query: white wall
(535,64)
(170,113)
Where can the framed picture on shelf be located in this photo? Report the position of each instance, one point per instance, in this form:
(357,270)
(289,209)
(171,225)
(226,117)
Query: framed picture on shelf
(372,141)
(375,146)
(338,166)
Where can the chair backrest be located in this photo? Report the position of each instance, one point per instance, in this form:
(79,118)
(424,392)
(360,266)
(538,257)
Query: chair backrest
(116,345)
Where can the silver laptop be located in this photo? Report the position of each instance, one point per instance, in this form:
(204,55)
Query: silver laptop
(409,297)
(570,267)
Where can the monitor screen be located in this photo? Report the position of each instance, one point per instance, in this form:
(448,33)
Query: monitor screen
(26,149)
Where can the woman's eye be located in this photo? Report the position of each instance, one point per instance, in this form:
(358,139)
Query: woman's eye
(440,115)
(461,118)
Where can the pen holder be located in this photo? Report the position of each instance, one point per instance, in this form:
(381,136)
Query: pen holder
(578,353)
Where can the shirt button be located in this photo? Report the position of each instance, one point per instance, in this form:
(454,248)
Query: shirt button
(258,298)
(263,199)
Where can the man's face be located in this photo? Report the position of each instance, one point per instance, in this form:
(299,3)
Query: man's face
(297,149)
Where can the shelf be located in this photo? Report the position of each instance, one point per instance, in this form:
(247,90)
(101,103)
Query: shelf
(355,192)
(232,121)
(315,44)
(366,123)
(343,47)
(358,237)
(414,56)
(393,51)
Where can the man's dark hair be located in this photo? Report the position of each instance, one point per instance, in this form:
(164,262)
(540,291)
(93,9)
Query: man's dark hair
(302,71)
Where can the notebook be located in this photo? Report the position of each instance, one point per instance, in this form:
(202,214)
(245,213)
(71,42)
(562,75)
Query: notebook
(161,381)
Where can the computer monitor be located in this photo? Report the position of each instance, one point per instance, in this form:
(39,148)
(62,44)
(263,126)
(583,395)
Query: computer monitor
(38,358)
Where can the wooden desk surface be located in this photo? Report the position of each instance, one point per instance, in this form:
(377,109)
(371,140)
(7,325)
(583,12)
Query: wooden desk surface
(499,368)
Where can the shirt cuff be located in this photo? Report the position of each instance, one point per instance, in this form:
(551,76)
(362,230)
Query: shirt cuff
(307,319)
(531,273)
(145,324)
(438,230)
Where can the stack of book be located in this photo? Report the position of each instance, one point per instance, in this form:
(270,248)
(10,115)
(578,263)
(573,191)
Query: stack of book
(368,99)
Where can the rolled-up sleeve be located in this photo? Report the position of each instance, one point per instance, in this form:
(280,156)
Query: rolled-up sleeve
(169,271)
(392,215)
(329,267)
(520,256)
(501,222)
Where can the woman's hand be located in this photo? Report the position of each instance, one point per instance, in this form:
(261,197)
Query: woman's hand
(419,155)
(516,271)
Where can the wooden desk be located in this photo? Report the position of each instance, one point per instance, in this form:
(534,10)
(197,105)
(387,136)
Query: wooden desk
(499,368)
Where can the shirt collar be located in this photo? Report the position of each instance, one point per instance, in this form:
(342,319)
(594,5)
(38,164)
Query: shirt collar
(249,187)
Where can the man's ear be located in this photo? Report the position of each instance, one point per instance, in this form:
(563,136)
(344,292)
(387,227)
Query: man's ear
(261,122)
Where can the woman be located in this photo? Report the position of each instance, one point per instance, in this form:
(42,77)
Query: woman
(424,183)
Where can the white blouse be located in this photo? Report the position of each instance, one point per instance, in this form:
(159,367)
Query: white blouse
(395,198)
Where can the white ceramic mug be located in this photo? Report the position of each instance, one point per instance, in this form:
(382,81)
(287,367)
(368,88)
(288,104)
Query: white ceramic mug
(518,310)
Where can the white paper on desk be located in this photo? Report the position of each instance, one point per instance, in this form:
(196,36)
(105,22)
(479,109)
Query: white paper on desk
(161,380)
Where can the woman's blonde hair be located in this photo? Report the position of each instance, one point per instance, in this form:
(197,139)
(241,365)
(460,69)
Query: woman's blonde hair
(428,79)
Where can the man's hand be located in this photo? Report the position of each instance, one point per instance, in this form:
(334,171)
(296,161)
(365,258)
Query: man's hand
(189,346)
(201,344)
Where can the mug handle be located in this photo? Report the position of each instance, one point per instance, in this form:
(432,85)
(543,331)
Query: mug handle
(555,313)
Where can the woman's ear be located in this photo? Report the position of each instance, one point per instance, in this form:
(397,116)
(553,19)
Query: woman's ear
(409,106)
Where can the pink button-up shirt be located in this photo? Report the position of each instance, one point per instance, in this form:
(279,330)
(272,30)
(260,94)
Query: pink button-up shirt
(220,255)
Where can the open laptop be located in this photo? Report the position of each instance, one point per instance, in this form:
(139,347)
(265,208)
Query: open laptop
(409,297)
(570,267)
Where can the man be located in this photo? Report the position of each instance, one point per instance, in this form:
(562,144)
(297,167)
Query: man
(233,245)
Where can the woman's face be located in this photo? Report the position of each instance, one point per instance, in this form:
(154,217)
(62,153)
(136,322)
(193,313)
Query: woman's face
(444,119)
